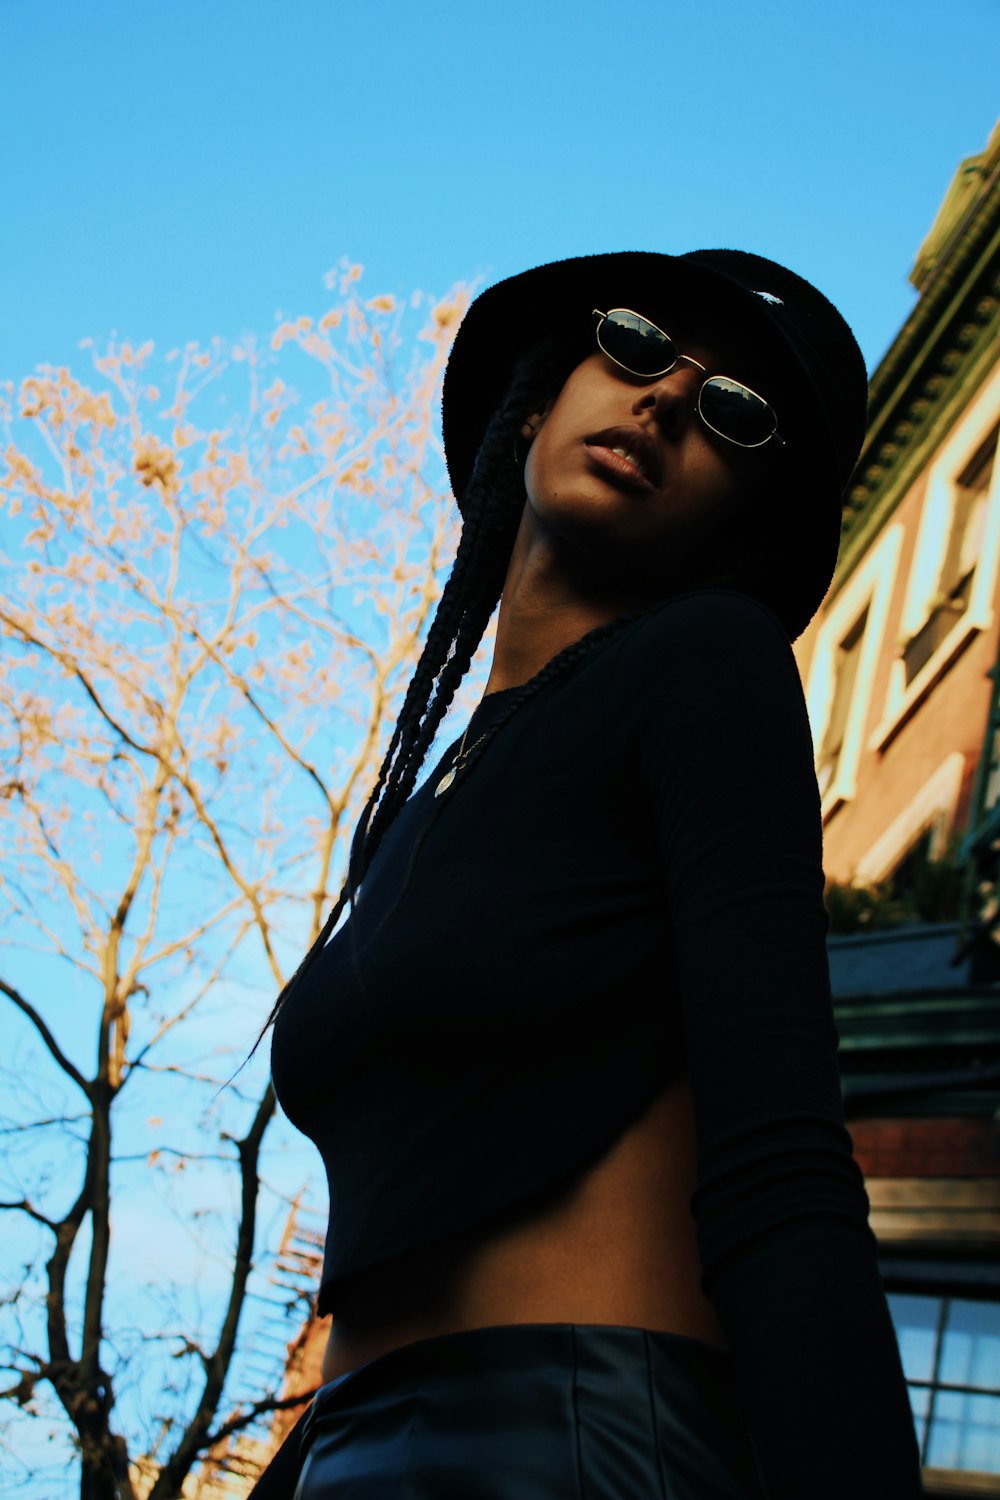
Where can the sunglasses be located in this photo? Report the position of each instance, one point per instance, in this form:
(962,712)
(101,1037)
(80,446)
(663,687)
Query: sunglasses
(725,406)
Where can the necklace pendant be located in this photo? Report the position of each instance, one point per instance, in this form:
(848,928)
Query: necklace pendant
(445,782)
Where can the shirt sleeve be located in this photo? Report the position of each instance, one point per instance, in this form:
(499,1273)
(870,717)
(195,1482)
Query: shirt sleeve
(716,716)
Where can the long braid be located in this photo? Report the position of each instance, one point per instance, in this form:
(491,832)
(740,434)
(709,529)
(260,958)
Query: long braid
(492,506)
(559,666)
(493,503)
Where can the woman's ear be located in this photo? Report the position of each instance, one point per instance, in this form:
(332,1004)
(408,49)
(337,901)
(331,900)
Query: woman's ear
(532,424)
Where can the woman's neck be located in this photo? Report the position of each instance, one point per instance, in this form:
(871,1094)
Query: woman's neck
(545,607)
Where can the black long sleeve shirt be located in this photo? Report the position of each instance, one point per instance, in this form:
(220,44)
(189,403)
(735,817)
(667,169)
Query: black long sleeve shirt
(626,886)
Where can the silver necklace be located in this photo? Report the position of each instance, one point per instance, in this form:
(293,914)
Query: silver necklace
(459,761)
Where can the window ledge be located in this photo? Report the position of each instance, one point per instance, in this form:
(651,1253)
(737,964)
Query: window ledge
(947,1482)
(942,1210)
(903,701)
(834,798)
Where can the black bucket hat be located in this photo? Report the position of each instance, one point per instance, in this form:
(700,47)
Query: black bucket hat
(783,317)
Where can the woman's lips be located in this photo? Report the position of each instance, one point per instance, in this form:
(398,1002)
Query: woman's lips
(622,468)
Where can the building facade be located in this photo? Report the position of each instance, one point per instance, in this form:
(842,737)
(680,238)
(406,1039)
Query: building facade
(901,672)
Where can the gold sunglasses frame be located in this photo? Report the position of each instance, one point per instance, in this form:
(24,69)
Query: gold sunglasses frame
(604,316)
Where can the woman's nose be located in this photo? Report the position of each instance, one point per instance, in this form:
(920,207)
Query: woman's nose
(672,398)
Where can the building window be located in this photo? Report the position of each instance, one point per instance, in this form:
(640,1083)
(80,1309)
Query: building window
(952,573)
(950,1348)
(842,670)
(965,538)
(848,655)
(908,876)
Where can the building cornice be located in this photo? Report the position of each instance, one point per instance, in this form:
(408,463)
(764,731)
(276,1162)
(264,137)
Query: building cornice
(936,363)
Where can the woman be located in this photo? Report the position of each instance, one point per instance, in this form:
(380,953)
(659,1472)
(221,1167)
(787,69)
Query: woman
(596,1228)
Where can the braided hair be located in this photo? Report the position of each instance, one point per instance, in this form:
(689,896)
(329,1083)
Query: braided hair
(493,503)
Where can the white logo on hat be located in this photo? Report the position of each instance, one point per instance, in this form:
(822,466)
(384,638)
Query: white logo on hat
(767,296)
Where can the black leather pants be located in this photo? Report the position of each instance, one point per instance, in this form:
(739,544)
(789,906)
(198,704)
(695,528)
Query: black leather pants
(534,1411)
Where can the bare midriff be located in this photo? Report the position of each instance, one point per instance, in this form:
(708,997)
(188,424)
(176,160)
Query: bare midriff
(617,1247)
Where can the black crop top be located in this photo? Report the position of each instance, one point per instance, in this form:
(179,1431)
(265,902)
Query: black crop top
(627,885)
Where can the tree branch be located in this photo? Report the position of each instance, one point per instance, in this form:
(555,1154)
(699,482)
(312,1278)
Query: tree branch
(174,1471)
(73,669)
(58,1054)
(258,1409)
(25,1207)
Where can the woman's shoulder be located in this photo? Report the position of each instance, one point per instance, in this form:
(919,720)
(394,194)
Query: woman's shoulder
(706,688)
(718,631)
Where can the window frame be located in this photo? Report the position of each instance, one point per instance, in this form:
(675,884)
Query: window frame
(933,806)
(944,1295)
(870,587)
(933,534)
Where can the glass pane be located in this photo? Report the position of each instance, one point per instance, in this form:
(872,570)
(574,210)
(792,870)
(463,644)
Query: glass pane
(972,536)
(636,343)
(965,1433)
(916,1321)
(968,515)
(846,670)
(736,411)
(971,1348)
(920,1400)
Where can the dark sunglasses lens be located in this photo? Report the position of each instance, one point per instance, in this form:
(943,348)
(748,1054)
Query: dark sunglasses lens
(636,343)
(736,413)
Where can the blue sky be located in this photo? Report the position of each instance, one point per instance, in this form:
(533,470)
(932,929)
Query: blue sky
(170,171)
(174,171)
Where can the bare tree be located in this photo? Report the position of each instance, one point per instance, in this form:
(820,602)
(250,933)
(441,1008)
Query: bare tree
(211,600)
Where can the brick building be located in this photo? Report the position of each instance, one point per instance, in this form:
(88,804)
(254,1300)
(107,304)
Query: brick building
(901,671)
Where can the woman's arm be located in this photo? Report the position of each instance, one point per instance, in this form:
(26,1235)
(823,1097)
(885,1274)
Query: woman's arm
(788,1258)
